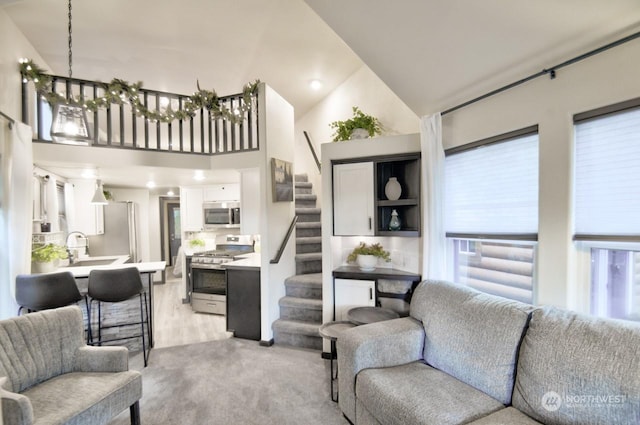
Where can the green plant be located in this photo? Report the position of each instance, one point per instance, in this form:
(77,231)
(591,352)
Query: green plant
(42,253)
(372,249)
(196,242)
(343,129)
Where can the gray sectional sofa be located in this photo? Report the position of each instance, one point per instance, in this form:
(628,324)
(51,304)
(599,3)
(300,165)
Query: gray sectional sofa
(465,357)
(48,375)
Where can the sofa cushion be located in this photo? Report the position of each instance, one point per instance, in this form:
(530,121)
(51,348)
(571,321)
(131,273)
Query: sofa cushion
(471,335)
(80,398)
(578,369)
(416,393)
(508,416)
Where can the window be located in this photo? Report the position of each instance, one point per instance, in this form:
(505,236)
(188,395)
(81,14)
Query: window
(491,213)
(607,206)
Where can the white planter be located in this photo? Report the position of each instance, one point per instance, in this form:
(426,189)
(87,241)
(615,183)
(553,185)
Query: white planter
(367,263)
(359,133)
(38,267)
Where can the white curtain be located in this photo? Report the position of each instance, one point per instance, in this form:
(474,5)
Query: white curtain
(434,239)
(16,199)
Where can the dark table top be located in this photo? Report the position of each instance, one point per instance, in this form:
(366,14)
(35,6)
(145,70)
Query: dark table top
(332,330)
(354,272)
(365,315)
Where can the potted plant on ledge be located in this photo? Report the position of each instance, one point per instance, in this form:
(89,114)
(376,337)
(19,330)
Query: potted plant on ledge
(366,256)
(45,258)
(360,126)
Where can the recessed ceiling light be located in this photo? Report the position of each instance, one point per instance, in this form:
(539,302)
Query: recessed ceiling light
(151,184)
(170,193)
(315,84)
(198,175)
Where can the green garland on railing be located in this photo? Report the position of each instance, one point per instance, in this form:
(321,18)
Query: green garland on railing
(122,92)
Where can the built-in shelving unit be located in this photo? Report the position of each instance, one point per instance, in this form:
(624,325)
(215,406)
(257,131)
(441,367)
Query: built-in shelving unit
(406,169)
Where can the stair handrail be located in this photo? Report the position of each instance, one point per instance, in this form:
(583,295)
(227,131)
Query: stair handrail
(283,245)
(313,151)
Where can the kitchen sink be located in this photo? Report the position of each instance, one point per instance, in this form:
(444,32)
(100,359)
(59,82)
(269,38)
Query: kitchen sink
(82,263)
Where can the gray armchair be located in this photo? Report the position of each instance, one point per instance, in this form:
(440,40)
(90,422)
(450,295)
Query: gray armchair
(48,375)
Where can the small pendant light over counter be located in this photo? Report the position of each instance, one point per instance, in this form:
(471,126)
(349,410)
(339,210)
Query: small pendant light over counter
(98,197)
(69,124)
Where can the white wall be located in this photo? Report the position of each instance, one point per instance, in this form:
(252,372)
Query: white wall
(362,89)
(601,80)
(276,141)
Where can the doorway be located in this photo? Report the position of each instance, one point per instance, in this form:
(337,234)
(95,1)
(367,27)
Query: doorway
(170,228)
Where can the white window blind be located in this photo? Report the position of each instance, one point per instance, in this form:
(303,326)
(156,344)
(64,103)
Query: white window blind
(493,189)
(607,176)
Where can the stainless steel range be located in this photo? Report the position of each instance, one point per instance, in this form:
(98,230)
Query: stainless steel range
(208,276)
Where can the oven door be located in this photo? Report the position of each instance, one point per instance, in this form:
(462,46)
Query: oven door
(209,279)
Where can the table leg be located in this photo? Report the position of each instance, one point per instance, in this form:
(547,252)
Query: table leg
(334,376)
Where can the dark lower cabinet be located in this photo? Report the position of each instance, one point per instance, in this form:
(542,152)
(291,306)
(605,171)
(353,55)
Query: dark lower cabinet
(243,303)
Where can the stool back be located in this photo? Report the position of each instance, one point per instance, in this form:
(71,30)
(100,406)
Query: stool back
(45,291)
(115,285)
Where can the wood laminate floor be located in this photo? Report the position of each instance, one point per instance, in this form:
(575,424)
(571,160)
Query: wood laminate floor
(176,324)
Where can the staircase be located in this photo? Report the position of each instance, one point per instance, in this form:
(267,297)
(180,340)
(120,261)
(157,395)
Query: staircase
(301,307)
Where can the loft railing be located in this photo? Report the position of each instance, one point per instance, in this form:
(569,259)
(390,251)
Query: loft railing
(117,126)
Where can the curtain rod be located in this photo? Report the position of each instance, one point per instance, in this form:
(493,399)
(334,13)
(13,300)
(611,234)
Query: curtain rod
(8,118)
(551,71)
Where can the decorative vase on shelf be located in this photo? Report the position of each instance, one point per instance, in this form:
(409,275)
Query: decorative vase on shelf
(359,133)
(367,263)
(394,223)
(392,189)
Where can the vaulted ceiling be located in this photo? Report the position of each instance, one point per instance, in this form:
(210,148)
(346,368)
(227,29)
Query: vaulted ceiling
(433,54)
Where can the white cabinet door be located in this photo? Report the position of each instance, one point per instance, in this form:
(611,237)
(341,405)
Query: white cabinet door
(250,202)
(350,293)
(222,192)
(191,208)
(353,199)
(86,217)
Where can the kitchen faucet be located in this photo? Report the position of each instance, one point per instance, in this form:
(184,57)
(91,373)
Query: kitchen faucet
(78,235)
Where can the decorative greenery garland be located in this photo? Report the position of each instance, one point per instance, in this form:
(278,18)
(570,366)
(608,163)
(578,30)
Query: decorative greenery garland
(122,92)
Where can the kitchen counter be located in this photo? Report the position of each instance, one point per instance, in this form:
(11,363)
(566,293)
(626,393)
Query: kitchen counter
(249,261)
(119,262)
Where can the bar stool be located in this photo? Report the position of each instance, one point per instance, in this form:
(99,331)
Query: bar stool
(114,286)
(45,291)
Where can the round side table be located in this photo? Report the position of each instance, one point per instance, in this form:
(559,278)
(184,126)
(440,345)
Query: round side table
(366,315)
(332,331)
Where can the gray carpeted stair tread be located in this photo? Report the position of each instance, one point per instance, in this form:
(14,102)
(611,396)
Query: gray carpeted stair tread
(308,225)
(306,185)
(311,280)
(301,178)
(309,256)
(308,303)
(296,327)
(306,197)
(301,211)
(309,240)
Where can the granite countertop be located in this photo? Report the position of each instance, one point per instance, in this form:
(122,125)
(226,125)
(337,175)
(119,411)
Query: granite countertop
(119,261)
(245,261)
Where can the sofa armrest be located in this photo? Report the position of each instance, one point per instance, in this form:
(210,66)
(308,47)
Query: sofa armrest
(101,359)
(14,408)
(382,344)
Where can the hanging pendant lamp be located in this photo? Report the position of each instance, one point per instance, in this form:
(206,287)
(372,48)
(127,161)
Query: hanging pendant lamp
(98,197)
(69,124)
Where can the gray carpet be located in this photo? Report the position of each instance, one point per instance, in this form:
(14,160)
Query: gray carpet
(234,381)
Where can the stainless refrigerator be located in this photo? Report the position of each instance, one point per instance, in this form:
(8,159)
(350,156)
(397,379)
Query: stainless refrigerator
(120,232)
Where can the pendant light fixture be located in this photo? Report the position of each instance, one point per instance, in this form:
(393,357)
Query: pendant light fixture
(69,123)
(98,197)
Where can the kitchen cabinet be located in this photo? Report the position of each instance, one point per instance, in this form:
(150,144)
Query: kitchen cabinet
(250,202)
(361,206)
(222,192)
(353,187)
(191,208)
(350,293)
(243,302)
(87,218)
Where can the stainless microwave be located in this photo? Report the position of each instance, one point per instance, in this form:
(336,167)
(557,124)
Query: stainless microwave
(221,215)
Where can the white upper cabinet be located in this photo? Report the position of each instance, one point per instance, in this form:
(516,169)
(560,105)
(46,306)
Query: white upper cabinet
(353,199)
(191,208)
(86,218)
(222,192)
